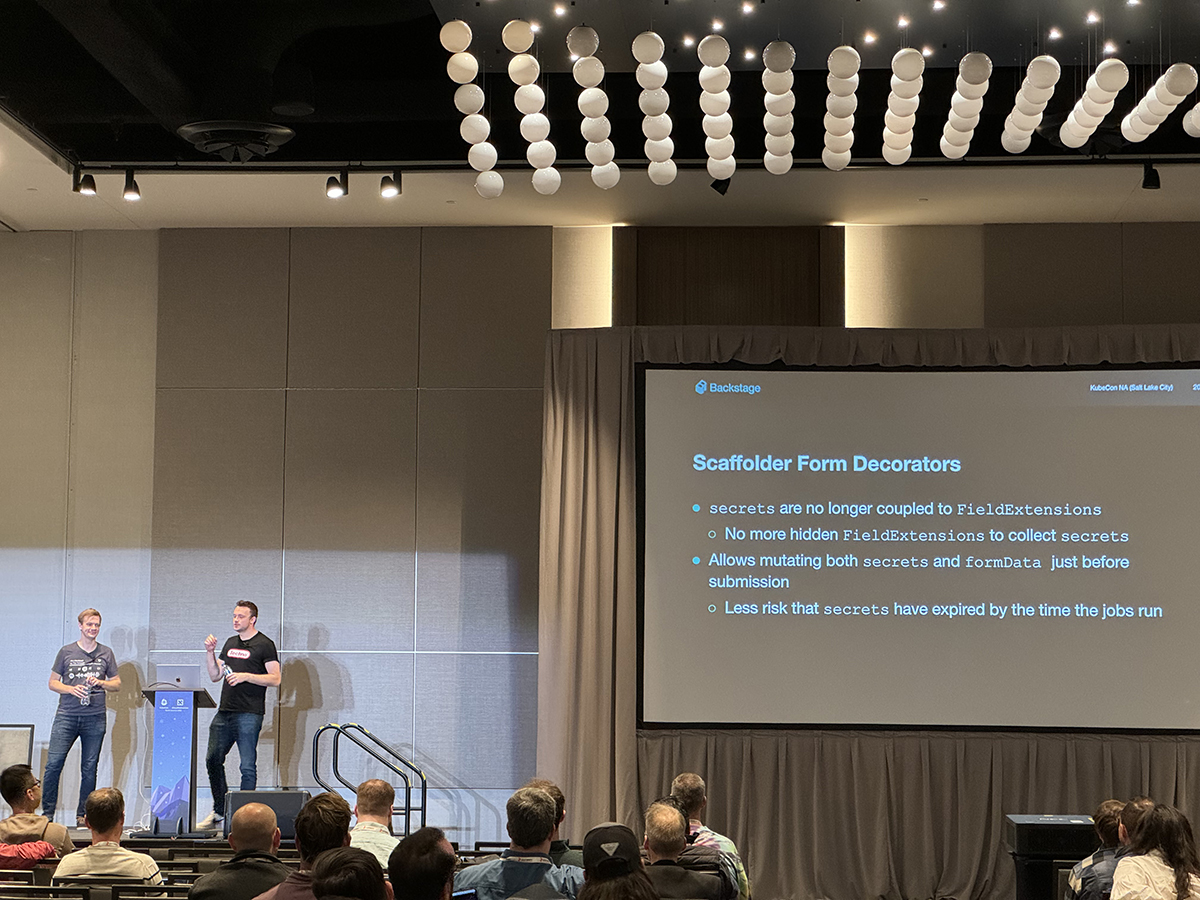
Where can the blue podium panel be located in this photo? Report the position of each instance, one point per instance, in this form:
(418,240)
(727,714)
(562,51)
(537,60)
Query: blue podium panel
(173,765)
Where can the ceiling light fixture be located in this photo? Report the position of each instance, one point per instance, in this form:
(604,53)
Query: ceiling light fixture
(1150,179)
(1109,48)
(1133,2)
(335,187)
(939,5)
(1055,34)
(779,100)
(748,54)
(83,184)
(131,192)
(560,10)
(535,27)
(902,22)
(869,37)
(747,8)
(688,40)
(1093,18)
(927,51)
(390,186)
(717,25)
(1159,102)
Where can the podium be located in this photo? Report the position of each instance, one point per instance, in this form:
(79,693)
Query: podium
(1044,850)
(173,770)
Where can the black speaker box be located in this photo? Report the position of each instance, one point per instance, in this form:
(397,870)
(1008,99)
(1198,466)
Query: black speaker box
(285,803)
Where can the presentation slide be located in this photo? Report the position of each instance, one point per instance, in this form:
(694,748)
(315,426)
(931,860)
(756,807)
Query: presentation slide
(1004,549)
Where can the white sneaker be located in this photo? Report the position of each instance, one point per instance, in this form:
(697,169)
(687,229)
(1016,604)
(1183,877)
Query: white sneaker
(212,823)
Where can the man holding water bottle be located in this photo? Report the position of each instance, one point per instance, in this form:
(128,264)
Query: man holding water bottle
(248,664)
(82,672)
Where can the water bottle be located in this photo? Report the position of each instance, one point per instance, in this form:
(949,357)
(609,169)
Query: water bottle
(86,699)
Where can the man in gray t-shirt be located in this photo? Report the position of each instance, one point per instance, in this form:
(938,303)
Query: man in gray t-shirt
(82,672)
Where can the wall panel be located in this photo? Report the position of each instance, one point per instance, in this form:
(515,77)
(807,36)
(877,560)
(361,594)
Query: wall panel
(478,490)
(349,520)
(354,299)
(218,513)
(485,306)
(476,718)
(35,408)
(1158,284)
(1052,275)
(223,296)
(924,276)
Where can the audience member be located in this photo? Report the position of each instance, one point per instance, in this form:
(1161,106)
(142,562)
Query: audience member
(526,862)
(1131,815)
(560,851)
(254,868)
(1162,863)
(1091,878)
(612,865)
(666,839)
(690,790)
(323,823)
(349,873)
(23,792)
(422,866)
(104,816)
(373,810)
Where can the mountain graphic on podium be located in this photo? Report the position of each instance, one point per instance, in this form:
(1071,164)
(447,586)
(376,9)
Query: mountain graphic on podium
(172,804)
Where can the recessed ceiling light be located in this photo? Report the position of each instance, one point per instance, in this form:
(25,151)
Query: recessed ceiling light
(717,25)
(1133,2)
(927,51)
(560,10)
(1109,48)
(939,4)
(1093,17)
(535,27)
(747,8)
(574,57)
(749,54)
(1055,34)
(902,21)
(869,37)
(688,40)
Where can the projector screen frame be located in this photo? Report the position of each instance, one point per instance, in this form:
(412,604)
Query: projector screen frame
(640,370)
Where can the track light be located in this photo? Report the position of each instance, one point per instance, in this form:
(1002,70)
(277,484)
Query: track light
(335,187)
(1150,180)
(390,185)
(131,192)
(83,184)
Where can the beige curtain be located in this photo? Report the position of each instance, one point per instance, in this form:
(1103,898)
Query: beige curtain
(817,814)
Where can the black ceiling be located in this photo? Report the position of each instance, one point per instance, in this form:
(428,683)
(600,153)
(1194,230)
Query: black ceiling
(111,81)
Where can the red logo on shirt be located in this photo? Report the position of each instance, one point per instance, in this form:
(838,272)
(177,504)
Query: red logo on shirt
(238,654)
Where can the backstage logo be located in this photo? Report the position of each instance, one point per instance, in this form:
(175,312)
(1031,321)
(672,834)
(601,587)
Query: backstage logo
(712,387)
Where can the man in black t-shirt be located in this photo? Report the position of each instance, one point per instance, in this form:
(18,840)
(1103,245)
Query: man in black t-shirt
(248,664)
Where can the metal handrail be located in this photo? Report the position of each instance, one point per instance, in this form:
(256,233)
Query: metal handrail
(346,730)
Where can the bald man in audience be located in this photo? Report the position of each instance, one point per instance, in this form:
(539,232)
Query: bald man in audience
(666,839)
(255,867)
(373,810)
(691,792)
(323,823)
